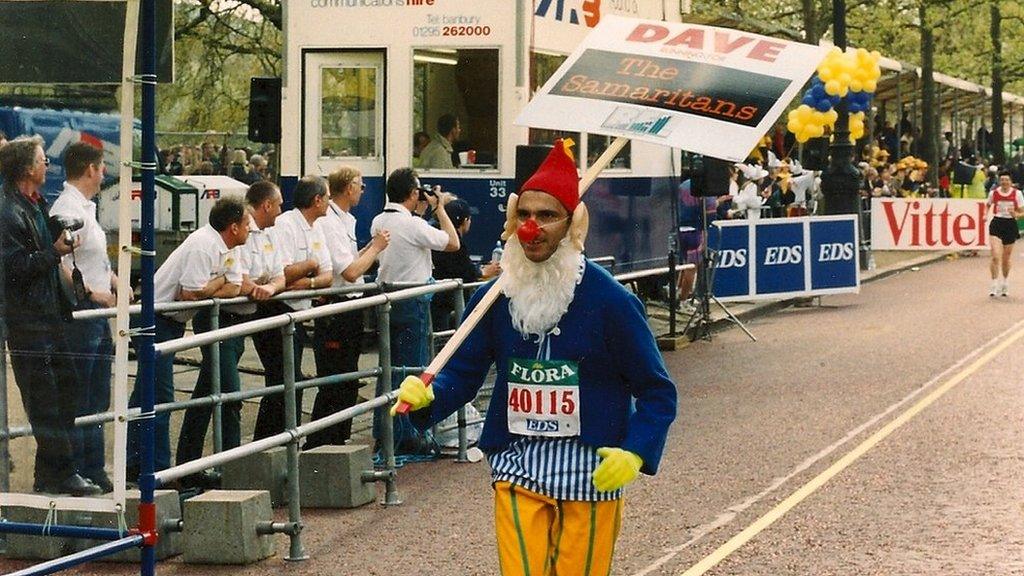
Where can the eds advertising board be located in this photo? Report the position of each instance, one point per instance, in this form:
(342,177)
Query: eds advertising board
(785,257)
(928,224)
(707,90)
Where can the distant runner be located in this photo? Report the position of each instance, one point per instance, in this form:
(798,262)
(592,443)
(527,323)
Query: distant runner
(1006,204)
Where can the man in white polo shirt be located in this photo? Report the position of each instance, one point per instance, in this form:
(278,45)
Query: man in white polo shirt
(90,340)
(307,266)
(408,259)
(338,338)
(205,265)
(264,278)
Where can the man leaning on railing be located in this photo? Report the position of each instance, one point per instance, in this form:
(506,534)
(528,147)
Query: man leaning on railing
(206,265)
(263,279)
(338,338)
(307,266)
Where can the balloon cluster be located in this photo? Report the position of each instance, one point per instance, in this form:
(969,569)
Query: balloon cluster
(876,156)
(911,163)
(850,75)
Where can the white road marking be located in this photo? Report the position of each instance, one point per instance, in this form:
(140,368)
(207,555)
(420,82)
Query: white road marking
(731,512)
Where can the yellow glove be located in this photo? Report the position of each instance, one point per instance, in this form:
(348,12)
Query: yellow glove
(414,393)
(618,467)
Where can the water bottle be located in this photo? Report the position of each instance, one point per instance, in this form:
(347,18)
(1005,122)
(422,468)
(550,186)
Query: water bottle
(498,251)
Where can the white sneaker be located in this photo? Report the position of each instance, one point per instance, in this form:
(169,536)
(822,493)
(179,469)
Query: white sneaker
(994,290)
(1004,287)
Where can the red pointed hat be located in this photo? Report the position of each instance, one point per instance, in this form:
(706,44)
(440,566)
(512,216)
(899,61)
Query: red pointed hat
(557,176)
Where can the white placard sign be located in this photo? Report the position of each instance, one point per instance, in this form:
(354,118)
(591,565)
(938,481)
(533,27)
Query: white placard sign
(928,224)
(712,91)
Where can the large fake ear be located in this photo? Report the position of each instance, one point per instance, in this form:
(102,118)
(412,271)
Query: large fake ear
(578,226)
(510,216)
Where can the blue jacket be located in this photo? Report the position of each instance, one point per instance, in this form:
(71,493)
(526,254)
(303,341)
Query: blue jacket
(626,396)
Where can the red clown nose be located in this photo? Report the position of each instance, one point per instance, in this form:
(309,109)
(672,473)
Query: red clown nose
(528,231)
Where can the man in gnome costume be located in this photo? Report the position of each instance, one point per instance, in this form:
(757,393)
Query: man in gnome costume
(582,401)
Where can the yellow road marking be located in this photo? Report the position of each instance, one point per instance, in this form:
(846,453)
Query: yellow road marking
(723,551)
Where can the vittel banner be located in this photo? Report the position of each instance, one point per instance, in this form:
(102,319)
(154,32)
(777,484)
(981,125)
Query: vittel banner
(785,257)
(928,224)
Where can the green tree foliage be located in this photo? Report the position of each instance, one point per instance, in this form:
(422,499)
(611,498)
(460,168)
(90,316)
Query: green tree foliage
(219,46)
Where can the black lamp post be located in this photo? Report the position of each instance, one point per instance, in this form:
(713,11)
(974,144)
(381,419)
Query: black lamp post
(840,183)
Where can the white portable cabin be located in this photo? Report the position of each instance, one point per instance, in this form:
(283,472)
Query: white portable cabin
(363,77)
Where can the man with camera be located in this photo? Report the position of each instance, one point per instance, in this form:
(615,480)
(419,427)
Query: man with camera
(36,311)
(95,285)
(407,260)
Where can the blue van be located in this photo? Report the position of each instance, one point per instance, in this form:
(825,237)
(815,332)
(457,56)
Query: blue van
(59,128)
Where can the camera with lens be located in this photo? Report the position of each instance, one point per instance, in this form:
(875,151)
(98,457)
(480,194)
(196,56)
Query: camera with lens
(425,192)
(65,226)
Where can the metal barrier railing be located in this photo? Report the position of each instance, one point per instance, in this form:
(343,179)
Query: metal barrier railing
(294,431)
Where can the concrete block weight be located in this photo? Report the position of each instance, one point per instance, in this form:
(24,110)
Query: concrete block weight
(168,507)
(331,477)
(25,547)
(220,527)
(267,470)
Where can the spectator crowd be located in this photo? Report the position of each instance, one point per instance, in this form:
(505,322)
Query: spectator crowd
(54,261)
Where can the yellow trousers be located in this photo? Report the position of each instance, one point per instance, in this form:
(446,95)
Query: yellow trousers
(541,536)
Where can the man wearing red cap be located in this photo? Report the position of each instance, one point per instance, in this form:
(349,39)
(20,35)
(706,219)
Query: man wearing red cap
(582,401)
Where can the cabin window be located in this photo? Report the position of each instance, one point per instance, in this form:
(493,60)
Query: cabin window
(542,66)
(348,109)
(455,91)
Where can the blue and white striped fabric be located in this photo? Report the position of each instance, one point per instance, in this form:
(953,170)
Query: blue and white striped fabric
(560,468)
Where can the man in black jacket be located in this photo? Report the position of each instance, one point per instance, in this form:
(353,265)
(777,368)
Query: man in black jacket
(35,310)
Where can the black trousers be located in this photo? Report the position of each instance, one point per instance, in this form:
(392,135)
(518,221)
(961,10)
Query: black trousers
(45,375)
(337,345)
(269,347)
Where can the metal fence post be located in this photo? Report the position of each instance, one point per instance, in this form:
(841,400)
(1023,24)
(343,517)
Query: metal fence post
(295,551)
(387,430)
(214,351)
(5,452)
(460,308)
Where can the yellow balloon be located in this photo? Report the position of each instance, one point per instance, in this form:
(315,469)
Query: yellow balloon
(818,131)
(794,126)
(832,87)
(832,116)
(870,86)
(804,112)
(856,85)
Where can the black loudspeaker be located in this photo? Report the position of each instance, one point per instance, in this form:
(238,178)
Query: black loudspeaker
(814,155)
(265,110)
(710,177)
(528,159)
(963,173)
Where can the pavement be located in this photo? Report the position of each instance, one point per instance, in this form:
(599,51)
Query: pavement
(881,265)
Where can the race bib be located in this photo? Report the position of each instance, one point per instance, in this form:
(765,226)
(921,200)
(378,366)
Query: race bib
(543,397)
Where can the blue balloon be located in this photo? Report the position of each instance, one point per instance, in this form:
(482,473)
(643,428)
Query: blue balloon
(818,91)
(809,100)
(834,99)
(823,105)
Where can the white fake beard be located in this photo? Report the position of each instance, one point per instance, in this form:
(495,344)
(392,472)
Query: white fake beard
(539,293)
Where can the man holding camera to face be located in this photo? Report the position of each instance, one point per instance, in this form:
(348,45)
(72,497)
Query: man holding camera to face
(95,286)
(407,259)
(36,311)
